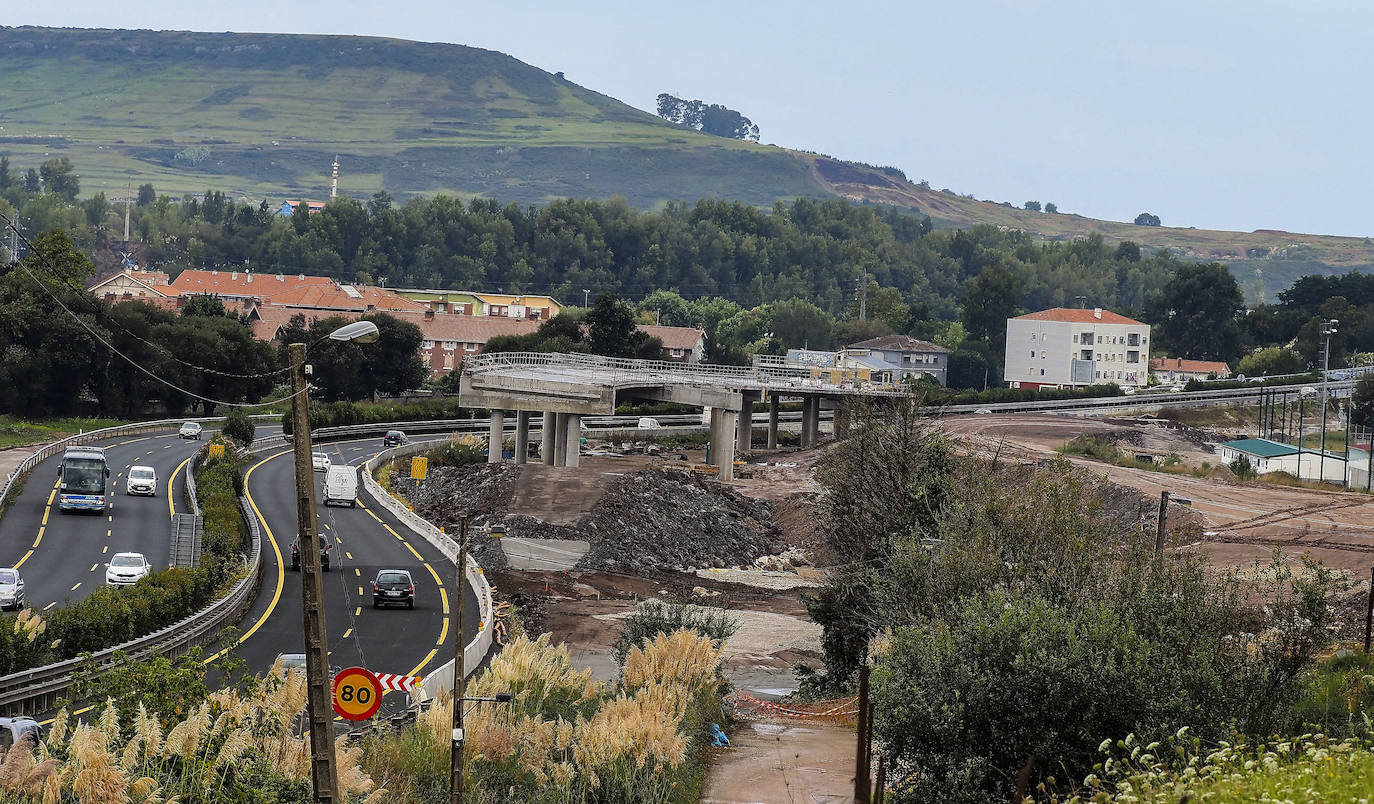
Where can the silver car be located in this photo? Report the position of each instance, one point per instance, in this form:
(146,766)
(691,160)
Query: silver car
(11,589)
(189,430)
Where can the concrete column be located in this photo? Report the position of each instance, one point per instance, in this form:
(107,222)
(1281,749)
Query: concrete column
(522,436)
(841,421)
(560,439)
(574,447)
(773,401)
(494,434)
(746,421)
(811,408)
(714,431)
(815,419)
(728,420)
(547,433)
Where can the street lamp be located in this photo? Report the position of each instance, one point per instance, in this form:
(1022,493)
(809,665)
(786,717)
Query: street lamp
(586,298)
(457,781)
(1328,328)
(323,770)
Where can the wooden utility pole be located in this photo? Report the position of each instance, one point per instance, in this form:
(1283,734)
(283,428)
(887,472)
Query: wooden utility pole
(323,770)
(1163,519)
(862,786)
(1369,611)
(456,779)
(880,784)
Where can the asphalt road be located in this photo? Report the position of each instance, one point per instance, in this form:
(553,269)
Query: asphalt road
(366,539)
(62,556)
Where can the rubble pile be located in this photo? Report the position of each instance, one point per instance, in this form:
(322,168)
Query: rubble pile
(481,492)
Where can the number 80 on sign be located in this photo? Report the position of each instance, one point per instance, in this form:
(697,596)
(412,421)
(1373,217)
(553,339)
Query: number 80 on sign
(357,694)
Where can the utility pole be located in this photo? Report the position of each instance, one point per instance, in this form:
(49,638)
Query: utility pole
(1160,525)
(863,295)
(1328,329)
(1369,611)
(323,769)
(861,758)
(128,204)
(456,780)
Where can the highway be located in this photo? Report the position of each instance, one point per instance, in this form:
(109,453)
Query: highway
(62,556)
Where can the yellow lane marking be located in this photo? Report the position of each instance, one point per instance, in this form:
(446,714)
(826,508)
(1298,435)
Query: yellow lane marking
(171,481)
(78,583)
(360,591)
(112,515)
(350,555)
(437,579)
(418,557)
(443,596)
(109,533)
(93,566)
(21,561)
(443,633)
(121,474)
(281,573)
(52,496)
(392,532)
(338,539)
(45,513)
(422,664)
(348,633)
(39,540)
(50,605)
(357,572)
(326,526)
(358,612)
(132,441)
(374,516)
(106,549)
(169,446)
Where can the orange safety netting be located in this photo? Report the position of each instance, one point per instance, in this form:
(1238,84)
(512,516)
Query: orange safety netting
(840,709)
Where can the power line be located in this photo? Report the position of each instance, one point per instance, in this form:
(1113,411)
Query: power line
(43,259)
(94,334)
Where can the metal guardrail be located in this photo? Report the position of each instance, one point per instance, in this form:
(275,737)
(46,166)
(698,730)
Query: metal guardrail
(477,649)
(38,690)
(1131,400)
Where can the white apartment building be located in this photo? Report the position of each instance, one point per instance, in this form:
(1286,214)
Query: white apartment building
(1066,348)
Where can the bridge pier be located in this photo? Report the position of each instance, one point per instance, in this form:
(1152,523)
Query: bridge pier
(723,423)
(522,436)
(548,431)
(494,435)
(560,439)
(773,401)
(746,421)
(811,420)
(573,450)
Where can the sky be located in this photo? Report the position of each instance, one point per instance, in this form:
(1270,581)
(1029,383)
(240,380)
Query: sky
(1218,114)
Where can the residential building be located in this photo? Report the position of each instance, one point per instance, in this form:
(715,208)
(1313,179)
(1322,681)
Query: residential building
(892,359)
(287,208)
(243,286)
(132,284)
(529,306)
(1177,369)
(1069,348)
(680,344)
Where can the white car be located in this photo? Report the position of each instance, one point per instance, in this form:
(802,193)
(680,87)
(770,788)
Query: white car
(127,569)
(982,412)
(11,589)
(189,430)
(321,461)
(142,480)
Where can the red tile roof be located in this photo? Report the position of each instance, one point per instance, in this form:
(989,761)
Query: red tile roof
(686,338)
(337,297)
(242,283)
(1080,316)
(1189,366)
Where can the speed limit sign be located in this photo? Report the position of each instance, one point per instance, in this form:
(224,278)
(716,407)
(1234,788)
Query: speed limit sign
(357,694)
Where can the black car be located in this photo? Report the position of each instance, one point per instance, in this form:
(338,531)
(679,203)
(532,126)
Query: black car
(393,586)
(325,547)
(393,438)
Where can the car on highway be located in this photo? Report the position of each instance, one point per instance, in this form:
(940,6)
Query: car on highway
(393,438)
(325,547)
(982,412)
(286,662)
(142,480)
(127,569)
(14,729)
(341,485)
(393,586)
(189,430)
(1307,392)
(321,461)
(11,588)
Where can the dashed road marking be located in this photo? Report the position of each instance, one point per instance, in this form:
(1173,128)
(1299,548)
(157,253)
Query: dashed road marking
(93,566)
(50,605)
(357,572)
(350,555)
(360,591)
(358,612)
(348,633)
(105,549)
(74,588)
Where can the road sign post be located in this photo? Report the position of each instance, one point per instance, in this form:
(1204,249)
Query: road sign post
(419,468)
(357,694)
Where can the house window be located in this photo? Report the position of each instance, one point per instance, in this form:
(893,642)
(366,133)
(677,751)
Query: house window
(429,344)
(1086,355)
(448,362)
(1133,357)
(1099,375)
(1042,372)
(1032,337)
(1075,337)
(1030,372)
(1087,337)
(1032,353)
(1133,339)
(469,347)
(449,346)
(1099,339)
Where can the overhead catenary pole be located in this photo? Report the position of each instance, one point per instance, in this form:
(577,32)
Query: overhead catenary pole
(1328,328)
(1163,521)
(861,780)
(456,778)
(323,770)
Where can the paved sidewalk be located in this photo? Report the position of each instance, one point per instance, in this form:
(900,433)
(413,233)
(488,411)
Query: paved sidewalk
(783,762)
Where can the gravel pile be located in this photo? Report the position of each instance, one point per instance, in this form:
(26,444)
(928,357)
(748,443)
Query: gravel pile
(646,522)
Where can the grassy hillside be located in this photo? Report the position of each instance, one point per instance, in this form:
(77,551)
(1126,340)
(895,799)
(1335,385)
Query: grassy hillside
(264,115)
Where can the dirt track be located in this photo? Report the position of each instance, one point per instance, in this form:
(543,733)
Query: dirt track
(1245,521)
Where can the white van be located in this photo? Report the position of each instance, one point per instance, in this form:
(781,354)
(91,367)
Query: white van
(649,423)
(341,485)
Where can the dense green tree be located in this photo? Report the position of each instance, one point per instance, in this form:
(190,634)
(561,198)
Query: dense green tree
(1146,219)
(59,176)
(33,183)
(611,331)
(1362,402)
(1051,207)
(992,297)
(1195,315)
(1032,206)
(146,195)
(1269,361)
(353,371)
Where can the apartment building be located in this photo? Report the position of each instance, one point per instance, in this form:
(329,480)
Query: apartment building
(1068,348)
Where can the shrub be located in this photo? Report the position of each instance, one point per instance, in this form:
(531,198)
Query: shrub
(654,617)
(239,427)
(1242,468)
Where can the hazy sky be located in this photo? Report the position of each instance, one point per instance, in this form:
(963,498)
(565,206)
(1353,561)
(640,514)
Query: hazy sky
(1227,114)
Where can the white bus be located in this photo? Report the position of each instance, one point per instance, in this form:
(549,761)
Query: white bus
(83,472)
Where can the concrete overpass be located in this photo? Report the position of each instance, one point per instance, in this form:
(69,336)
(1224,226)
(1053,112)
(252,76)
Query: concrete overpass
(565,387)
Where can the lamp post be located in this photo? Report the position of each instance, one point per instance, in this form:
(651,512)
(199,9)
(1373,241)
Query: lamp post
(586,298)
(324,771)
(1328,329)
(457,780)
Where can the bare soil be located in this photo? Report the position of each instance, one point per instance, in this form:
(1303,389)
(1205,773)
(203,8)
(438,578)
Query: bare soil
(780,761)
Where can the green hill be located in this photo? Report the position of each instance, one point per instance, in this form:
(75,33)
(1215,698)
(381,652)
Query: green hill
(264,115)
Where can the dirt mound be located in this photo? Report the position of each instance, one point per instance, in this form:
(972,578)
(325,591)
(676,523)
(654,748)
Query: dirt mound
(644,522)
(1221,472)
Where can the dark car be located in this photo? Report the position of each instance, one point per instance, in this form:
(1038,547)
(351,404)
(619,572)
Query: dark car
(393,438)
(325,547)
(393,586)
